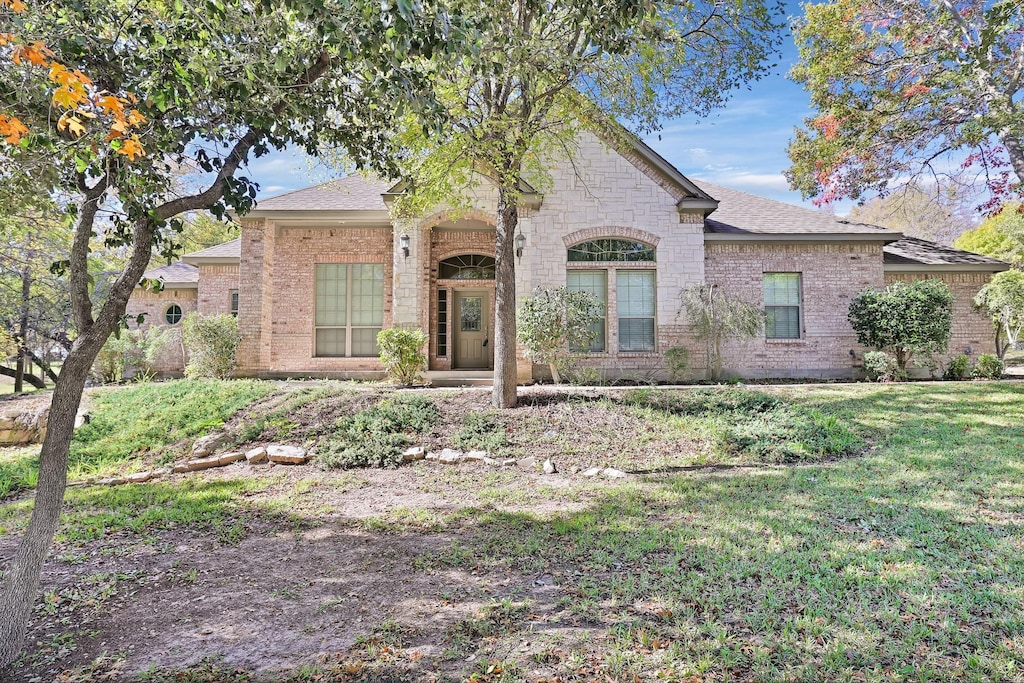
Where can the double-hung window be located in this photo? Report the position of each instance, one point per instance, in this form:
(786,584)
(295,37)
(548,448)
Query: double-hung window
(593,282)
(349,308)
(782,305)
(635,295)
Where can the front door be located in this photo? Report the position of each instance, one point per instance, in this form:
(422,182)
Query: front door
(472,329)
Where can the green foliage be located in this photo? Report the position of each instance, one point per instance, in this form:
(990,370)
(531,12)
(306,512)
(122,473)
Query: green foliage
(481,431)
(714,318)
(878,118)
(880,366)
(989,367)
(677,362)
(553,322)
(959,368)
(402,355)
(1000,236)
(376,437)
(211,342)
(937,213)
(8,345)
(132,353)
(1002,298)
(904,318)
(755,425)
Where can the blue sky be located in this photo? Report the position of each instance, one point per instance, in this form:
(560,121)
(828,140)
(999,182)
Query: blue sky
(741,146)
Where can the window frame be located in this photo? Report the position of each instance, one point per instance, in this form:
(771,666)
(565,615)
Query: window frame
(349,327)
(233,302)
(653,317)
(180,314)
(612,346)
(770,333)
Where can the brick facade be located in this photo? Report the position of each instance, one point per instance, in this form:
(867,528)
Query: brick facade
(154,306)
(599,194)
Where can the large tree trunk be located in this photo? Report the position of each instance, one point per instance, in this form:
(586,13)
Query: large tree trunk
(504,395)
(26,294)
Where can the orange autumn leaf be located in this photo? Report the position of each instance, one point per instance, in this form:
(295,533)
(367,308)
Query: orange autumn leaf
(136,118)
(72,123)
(36,54)
(12,129)
(17,6)
(110,103)
(131,148)
(6,39)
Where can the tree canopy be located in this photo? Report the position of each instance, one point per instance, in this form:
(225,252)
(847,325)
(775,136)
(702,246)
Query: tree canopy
(904,89)
(1000,236)
(1002,298)
(936,213)
(546,70)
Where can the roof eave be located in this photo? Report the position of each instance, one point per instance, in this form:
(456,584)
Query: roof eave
(802,237)
(945,267)
(209,260)
(338,216)
(177,285)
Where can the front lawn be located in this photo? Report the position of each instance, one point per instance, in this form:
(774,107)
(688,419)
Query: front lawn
(899,557)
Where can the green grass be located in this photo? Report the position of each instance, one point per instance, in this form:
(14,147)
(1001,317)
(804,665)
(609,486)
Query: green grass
(481,431)
(905,563)
(136,422)
(376,436)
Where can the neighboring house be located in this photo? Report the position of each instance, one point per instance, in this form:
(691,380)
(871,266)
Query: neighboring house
(318,272)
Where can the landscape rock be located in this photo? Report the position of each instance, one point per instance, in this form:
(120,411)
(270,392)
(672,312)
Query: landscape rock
(203,463)
(161,472)
(430,456)
(287,455)
(413,453)
(475,456)
(208,444)
(492,462)
(592,472)
(613,473)
(111,481)
(549,467)
(449,456)
(508,462)
(139,477)
(527,463)
(256,456)
(179,469)
(229,458)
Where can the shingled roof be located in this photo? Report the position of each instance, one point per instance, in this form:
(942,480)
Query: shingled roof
(352,193)
(178,275)
(742,213)
(911,251)
(216,253)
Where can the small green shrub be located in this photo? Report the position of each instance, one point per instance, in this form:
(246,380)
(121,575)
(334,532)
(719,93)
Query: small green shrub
(959,368)
(211,342)
(879,366)
(677,362)
(481,431)
(401,354)
(989,367)
(376,437)
(132,353)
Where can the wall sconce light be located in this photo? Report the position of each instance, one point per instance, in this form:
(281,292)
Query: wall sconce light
(520,244)
(403,241)
(968,351)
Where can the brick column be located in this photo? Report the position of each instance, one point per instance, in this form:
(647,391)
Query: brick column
(250,298)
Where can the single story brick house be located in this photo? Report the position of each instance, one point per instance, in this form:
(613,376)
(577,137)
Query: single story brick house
(317,272)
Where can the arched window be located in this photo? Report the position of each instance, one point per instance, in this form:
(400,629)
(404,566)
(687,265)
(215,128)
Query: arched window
(611,250)
(173,314)
(467,267)
(628,266)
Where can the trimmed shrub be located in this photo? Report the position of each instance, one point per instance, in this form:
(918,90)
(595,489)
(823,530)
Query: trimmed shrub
(881,367)
(959,368)
(211,342)
(376,437)
(989,367)
(554,324)
(401,354)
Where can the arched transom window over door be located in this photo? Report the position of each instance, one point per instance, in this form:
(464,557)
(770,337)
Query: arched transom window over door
(596,265)
(466,267)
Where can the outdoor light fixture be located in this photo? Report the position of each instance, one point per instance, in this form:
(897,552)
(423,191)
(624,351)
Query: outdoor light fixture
(404,242)
(520,244)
